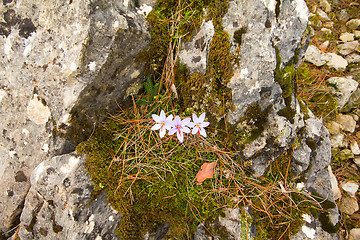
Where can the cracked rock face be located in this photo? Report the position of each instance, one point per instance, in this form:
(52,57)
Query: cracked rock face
(58,203)
(62,62)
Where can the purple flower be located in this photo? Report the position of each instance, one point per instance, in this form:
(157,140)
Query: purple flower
(163,123)
(198,125)
(179,127)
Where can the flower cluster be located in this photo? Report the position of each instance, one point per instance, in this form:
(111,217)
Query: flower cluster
(179,126)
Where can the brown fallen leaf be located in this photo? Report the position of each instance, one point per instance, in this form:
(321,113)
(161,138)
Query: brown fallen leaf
(207,171)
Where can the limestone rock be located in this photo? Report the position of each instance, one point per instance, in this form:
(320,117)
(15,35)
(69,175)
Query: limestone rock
(357,161)
(343,90)
(350,187)
(337,62)
(62,62)
(348,47)
(354,234)
(324,45)
(347,122)
(354,147)
(323,14)
(347,37)
(338,141)
(58,203)
(334,185)
(353,103)
(193,54)
(353,58)
(78,57)
(315,56)
(353,23)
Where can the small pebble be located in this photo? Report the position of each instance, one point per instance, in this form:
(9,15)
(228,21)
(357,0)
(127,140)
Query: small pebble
(347,37)
(353,23)
(349,187)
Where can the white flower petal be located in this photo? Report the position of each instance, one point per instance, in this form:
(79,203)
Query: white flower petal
(169,118)
(195,130)
(156,127)
(185,122)
(191,124)
(203,132)
(195,118)
(162,115)
(202,117)
(167,126)
(156,118)
(204,124)
(186,130)
(162,132)
(177,121)
(172,131)
(180,136)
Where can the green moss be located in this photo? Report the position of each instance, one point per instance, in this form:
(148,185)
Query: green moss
(164,17)
(304,109)
(249,127)
(286,78)
(323,104)
(238,35)
(150,181)
(209,92)
(311,144)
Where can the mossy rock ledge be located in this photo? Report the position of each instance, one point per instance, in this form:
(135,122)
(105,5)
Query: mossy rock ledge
(105,175)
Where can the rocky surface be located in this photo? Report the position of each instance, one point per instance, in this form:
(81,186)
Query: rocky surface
(66,62)
(342,24)
(58,203)
(61,61)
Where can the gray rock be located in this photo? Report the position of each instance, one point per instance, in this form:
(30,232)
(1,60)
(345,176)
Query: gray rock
(348,47)
(195,52)
(62,62)
(353,103)
(347,37)
(315,56)
(58,203)
(350,187)
(338,141)
(354,147)
(310,232)
(345,86)
(74,59)
(353,58)
(353,23)
(337,62)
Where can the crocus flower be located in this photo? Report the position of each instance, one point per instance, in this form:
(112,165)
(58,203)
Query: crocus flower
(179,127)
(198,125)
(163,123)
